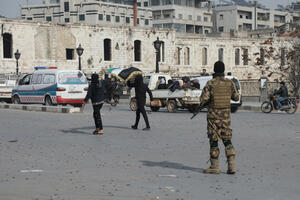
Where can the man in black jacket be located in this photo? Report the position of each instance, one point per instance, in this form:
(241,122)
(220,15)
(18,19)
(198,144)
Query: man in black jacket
(283,94)
(140,95)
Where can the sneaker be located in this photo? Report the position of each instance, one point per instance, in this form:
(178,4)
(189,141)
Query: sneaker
(134,127)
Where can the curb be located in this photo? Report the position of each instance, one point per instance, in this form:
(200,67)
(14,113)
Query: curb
(250,108)
(41,108)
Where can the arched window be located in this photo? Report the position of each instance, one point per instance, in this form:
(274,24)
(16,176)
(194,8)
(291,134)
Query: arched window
(107,50)
(245,56)
(7,45)
(221,54)
(187,56)
(262,56)
(204,56)
(162,52)
(137,51)
(282,57)
(178,54)
(237,56)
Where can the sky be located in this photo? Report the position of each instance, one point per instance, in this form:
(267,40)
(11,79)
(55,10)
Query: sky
(11,8)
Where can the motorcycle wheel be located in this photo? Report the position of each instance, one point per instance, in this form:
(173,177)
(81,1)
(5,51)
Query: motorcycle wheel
(292,109)
(266,107)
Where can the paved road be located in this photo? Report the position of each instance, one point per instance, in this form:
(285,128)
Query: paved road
(124,164)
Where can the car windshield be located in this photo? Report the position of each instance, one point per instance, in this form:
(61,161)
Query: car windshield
(72,78)
(236,82)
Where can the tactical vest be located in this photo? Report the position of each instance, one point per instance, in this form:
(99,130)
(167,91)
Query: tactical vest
(221,90)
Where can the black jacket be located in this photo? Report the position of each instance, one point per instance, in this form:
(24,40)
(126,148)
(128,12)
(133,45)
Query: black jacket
(96,92)
(282,92)
(140,88)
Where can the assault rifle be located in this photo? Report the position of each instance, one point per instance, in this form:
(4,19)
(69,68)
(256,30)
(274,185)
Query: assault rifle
(198,109)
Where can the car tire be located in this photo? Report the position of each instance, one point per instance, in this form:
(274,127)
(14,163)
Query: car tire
(172,106)
(48,101)
(16,100)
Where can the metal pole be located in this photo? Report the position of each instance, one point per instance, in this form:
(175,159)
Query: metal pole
(157,59)
(17,68)
(79,63)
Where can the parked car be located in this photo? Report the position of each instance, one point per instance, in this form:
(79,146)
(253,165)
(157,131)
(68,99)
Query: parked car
(50,86)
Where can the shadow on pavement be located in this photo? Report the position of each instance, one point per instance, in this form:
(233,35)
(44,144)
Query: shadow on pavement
(82,130)
(166,164)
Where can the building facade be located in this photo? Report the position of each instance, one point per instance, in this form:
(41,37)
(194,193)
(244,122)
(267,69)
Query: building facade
(244,16)
(91,12)
(185,16)
(48,44)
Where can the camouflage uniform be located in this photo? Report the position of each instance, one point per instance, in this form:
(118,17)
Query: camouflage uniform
(217,94)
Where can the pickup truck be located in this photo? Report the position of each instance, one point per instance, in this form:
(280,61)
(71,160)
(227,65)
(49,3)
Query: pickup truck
(184,99)
(7,83)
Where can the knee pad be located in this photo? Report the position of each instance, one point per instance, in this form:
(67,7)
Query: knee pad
(214,153)
(230,151)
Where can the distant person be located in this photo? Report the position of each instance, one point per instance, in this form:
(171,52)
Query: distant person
(204,73)
(140,94)
(283,94)
(96,94)
(170,83)
(217,94)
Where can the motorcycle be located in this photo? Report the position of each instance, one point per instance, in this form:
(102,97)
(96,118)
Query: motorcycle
(289,105)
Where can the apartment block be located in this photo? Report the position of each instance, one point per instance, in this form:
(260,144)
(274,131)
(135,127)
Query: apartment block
(90,12)
(185,16)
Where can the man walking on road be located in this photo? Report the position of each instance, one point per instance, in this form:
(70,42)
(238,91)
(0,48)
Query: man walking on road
(217,94)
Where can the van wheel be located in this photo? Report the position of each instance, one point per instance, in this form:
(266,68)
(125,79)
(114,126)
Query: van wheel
(133,105)
(233,109)
(16,100)
(171,106)
(48,101)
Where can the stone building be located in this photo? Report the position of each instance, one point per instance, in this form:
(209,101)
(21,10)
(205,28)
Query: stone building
(91,12)
(240,15)
(49,44)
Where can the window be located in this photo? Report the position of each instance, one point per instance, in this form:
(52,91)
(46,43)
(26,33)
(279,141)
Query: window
(204,56)
(100,17)
(137,51)
(178,54)
(117,18)
(49,78)
(7,45)
(107,49)
(66,4)
(190,17)
(48,19)
(198,18)
(221,29)
(146,21)
(81,17)
(67,20)
(37,79)
(206,31)
(127,20)
(29,18)
(237,56)
(241,16)
(282,57)
(205,19)
(155,2)
(262,56)
(187,56)
(220,54)
(146,4)
(245,57)
(26,80)
(69,54)
(180,16)
(138,21)
(247,17)
(162,52)
(108,18)
(139,4)
(177,2)
(221,17)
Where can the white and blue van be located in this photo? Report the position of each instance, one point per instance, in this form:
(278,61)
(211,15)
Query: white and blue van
(49,86)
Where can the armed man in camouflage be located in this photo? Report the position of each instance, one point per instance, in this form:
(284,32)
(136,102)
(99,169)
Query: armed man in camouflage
(217,94)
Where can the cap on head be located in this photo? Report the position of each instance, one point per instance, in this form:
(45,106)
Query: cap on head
(219,67)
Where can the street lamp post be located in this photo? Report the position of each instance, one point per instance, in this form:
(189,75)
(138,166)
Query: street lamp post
(157,44)
(79,51)
(17,56)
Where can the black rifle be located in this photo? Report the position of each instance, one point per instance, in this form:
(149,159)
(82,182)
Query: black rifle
(198,109)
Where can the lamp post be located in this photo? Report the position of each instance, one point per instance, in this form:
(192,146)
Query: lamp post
(79,52)
(157,44)
(17,56)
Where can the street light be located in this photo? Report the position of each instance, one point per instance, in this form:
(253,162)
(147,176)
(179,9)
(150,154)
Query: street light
(157,43)
(79,52)
(17,56)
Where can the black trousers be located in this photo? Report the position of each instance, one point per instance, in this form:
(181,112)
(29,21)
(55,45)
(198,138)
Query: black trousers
(97,116)
(141,109)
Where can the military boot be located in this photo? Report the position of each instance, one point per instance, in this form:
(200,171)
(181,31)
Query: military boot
(214,160)
(230,154)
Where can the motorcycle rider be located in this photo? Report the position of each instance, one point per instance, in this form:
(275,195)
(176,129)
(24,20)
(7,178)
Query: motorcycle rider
(283,94)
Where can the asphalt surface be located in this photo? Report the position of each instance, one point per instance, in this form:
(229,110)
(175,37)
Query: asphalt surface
(53,156)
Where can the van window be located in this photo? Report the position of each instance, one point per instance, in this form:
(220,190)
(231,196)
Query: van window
(236,82)
(49,78)
(26,80)
(37,79)
(72,78)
